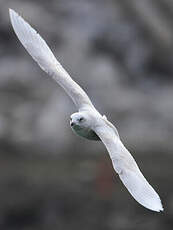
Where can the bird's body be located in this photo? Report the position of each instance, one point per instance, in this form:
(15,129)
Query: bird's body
(88,122)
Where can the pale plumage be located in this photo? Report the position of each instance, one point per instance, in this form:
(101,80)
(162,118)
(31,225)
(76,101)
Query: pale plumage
(88,122)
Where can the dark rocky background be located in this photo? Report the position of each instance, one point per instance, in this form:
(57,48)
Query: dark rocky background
(121,52)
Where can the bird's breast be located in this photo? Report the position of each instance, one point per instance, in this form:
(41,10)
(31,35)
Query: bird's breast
(85,132)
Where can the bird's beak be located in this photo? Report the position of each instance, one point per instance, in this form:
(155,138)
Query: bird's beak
(71,123)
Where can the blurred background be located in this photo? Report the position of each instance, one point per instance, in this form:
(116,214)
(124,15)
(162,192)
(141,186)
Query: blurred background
(121,53)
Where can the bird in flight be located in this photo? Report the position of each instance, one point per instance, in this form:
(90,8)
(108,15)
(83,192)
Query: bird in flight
(88,122)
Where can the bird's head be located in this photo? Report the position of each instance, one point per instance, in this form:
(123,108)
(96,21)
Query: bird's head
(79,119)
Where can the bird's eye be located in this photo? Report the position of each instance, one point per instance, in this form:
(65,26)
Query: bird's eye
(70,119)
(81,119)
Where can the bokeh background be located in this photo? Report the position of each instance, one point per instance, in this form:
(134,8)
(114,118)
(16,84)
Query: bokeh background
(121,53)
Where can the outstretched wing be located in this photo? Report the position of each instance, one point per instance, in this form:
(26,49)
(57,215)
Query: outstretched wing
(128,171)
(42,54)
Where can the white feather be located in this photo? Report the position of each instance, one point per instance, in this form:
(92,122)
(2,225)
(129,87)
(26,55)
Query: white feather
(42,54)
(129,173)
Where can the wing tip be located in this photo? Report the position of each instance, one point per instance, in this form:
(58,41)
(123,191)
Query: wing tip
(155,205)
(12,13)
(159,209)
(141,190)
(10,10)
